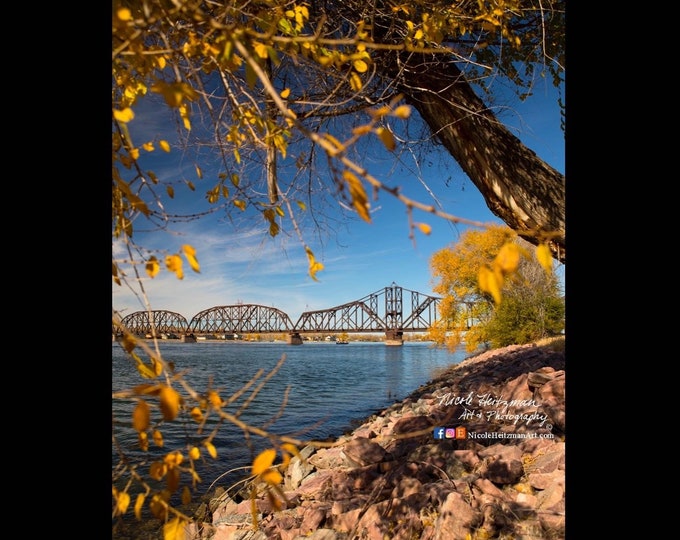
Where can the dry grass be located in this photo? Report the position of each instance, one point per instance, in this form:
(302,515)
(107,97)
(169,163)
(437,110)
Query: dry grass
(555,343)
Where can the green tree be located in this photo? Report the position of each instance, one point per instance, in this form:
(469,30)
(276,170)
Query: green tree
(532,309)
(532,305)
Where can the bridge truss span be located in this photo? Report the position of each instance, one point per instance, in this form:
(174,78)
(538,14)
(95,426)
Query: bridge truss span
(424,312)
(161,321)
(352,317)
(240,319)
(381,311)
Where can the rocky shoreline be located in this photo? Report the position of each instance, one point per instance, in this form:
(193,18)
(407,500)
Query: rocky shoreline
(497,473)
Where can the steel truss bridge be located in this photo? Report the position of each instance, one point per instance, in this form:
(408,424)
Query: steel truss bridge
(392,310)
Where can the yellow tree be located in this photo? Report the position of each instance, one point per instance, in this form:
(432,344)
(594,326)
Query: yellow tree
(479,270)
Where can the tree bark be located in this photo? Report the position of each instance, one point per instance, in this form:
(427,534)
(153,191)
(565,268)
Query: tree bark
(519,187)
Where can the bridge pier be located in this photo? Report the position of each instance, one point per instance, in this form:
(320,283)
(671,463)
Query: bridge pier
(294,338)
(394,338)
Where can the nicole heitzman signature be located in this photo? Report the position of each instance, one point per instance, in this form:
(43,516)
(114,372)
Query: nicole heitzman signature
(485,400)
(500,413)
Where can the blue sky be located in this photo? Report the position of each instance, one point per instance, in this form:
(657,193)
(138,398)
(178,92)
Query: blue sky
(245,265)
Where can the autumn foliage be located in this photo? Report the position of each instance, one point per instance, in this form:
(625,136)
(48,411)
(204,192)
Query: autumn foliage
(497,290)
(168,398)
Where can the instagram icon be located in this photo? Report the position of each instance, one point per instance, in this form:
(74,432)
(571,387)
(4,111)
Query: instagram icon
(459,432)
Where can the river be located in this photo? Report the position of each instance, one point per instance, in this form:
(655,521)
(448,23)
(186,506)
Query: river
(328,388)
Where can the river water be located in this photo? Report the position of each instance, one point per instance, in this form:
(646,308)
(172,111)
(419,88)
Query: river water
(330,389)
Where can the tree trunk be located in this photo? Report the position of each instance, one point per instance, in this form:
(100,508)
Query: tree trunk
(519,187)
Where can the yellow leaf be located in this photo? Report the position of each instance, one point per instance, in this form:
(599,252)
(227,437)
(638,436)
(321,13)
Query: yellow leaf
(544,257)
(175,93)
(507,259)
(263,461)
(195,453)
(141,416)
(355,81)
(272,477)
(290,448)
(379,112)
(172,479)
(184,113)
(199,172)
(146,389)
(424,228)
(157,438)
(386,137)
(125,116)
(362,130)
(148,147)
(186,495)
(360,66)
(190,254)
(173,459)
(358,194)
(196,414)
(211,449)
(403,111)
(144,370)
(314,269)
(314,265)
(143,439)
(138,506)
(169,400)
(164,145)
(158,504)
(240,204)
(174,264)
(488,282)
(174,529)
(170,191)
(215,399)
(124,14)
(122,502)
(157,470)
(261,50)
(285,93)
(129,343)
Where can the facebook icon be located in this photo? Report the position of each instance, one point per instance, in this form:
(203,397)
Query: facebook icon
(439,432)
